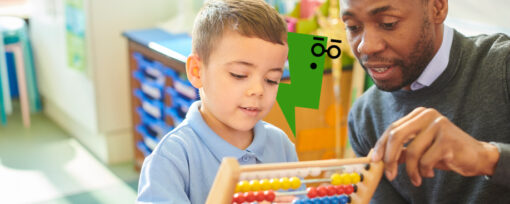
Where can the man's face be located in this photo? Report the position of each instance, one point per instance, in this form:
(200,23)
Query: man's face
(241,79)
(392,39)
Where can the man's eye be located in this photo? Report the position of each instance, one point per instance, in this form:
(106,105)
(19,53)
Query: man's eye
(388,26)
(237,76)
(353,28)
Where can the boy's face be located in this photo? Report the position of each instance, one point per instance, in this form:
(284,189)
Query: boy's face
(240,81)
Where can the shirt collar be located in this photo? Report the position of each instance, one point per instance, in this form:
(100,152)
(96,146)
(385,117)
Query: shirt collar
(217,145)
(438,64)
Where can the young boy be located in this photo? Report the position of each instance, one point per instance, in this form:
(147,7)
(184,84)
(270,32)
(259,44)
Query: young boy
(239,50)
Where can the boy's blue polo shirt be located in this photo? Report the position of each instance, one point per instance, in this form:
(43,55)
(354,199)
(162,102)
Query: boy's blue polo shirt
(182,167)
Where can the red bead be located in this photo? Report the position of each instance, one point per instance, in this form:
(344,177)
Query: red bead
(312,192)
(340,189)
(270,196)
(349,189)
(259,196)
(331,190)
(322,191)
(238,198)
(249,196)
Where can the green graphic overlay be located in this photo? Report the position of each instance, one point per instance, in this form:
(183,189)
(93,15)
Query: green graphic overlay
(306,66)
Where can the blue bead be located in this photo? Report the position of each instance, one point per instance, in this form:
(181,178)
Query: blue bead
(316,201)
(343,199)
(307,201)
(325,200)
(334,200)
(297,201)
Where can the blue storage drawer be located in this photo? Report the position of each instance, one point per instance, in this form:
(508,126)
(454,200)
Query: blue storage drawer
(156,127)
(178,101)
(140,145)
(175,115)
(150,141)
(150,87)
(150,68)
(182,86)
(152,107)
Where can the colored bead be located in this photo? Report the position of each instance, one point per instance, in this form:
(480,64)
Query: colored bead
(325,200)
(255,185)
(344,199)
(336,179)
(295,182)
(345,178)
(316,201)
(334,200)
(331,190)
(340,189)
(249,196)
(238,187)
(307,201)
(265,184)
(275,184)
(285,183)
(259,196)
(244,186)
(238,198)
(349,189)
(355,178)
(297,201)
(322,191)
(269,195)
(303,172)
(312,192)
(315,171)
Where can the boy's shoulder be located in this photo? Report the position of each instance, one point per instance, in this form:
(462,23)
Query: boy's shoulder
(275,133)
(181,138)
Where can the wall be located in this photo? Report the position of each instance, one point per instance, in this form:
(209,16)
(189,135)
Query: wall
(92,106)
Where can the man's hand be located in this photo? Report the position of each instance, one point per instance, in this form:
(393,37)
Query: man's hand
(432,142)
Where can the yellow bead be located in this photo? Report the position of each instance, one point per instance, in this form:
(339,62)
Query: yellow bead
(355,178)
(295,182)
(238,187)
(285,183)
(244,186)
(345,178)
(265,184)
(275,184)
(336,179)
(255,185)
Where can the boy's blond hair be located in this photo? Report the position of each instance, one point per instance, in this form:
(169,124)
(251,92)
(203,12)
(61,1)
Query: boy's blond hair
(250,18)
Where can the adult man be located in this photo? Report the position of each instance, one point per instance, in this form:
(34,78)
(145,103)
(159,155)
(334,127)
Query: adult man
(464,133)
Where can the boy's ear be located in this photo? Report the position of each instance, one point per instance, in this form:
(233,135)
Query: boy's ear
(193,70)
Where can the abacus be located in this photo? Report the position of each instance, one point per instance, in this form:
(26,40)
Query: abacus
(349,181)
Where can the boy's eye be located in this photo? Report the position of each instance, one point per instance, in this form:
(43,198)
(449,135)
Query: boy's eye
(237,76)
(272,82)
(388,26)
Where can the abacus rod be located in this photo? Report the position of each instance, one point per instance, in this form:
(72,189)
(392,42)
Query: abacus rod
(304,164)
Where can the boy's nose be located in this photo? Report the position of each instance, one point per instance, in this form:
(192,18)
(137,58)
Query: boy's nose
(371,43)
(256,89)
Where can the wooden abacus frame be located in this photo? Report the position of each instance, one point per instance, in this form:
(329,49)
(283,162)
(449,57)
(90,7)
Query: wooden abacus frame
(229,172)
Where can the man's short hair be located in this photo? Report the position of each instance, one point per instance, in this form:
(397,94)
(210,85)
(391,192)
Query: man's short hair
(250,18)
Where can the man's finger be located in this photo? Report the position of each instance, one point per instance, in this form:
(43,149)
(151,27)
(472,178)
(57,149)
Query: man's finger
(415,152)
(380,146)
(403,134)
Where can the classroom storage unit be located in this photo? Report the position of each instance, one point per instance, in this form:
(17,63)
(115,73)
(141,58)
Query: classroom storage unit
(160,93)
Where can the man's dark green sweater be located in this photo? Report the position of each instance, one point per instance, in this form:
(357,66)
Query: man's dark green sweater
(474,93)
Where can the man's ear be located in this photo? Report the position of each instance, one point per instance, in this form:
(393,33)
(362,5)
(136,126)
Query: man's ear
(440,11)
(194,68)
